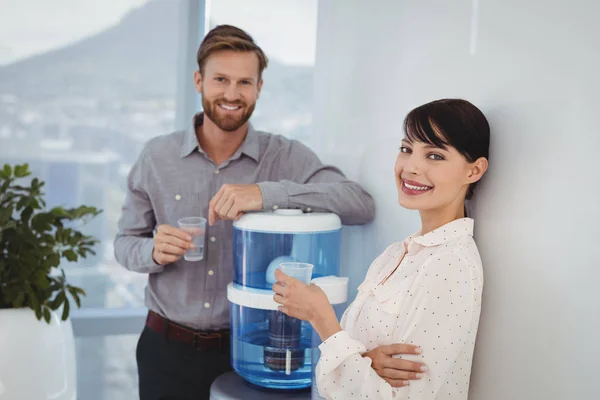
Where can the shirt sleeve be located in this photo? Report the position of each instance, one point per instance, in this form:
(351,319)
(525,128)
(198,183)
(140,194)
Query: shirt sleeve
(439,320)
(134,242)
(304,182)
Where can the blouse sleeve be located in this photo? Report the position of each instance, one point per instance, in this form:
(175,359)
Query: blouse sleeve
(438,315)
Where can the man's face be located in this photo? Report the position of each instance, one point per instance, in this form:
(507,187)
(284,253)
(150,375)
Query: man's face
(229,87)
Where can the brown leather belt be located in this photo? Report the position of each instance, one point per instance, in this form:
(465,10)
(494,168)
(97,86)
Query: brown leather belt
(198,339)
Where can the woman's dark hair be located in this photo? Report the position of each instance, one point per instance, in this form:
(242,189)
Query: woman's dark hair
(451,122)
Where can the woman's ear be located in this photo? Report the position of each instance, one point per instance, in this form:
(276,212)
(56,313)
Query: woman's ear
(477,169)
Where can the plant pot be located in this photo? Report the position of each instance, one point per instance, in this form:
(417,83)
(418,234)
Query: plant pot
(37,359)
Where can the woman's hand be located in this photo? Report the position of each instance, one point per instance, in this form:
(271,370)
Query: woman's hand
(305,302)
(298,299)
(397,372)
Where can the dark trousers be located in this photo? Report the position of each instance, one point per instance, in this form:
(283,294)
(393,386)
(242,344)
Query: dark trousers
(171,370)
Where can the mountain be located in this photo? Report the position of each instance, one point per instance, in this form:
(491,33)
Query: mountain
(135,60)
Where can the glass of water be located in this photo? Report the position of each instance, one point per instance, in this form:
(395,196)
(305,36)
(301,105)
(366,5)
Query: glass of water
(196,227)
(284,352)
(298,270)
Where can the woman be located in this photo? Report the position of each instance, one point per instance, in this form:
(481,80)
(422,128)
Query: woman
(425,290)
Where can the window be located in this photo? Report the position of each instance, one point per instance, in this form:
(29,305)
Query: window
(287,32)
(81,91)
(85,84)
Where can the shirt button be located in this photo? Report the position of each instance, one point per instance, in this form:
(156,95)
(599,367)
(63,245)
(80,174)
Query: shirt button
(217,171)
(211,272)
(213,239)
(275,207)
(207,305)
(177,197)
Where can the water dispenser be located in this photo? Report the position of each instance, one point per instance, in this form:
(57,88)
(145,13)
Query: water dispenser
(268,348)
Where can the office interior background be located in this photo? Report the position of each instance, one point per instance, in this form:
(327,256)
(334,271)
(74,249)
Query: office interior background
(85,83)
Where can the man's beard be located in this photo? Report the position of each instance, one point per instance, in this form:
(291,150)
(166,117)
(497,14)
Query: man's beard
(227,123)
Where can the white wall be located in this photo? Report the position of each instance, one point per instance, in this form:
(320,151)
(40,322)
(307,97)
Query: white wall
(532,66)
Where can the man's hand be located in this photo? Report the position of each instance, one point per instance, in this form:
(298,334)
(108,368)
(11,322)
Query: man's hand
(232,200)
(396,371)
(170,244)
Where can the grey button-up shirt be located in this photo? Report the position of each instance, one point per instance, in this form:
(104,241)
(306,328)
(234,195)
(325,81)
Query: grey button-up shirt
(173,178)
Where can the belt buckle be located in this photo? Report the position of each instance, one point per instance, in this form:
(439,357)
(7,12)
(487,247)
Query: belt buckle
(204,335)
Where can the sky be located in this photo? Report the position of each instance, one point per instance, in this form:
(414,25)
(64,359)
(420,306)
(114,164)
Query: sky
(285,29)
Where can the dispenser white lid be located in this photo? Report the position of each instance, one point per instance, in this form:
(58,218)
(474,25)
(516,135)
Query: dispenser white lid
(288,221)
(335,287)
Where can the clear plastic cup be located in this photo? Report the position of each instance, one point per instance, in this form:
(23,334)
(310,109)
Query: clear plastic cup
(196,227)
(284,352)
(298,270)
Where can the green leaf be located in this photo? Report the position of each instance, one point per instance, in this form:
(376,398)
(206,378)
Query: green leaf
(10,225)
(32,298)
(38,313)
(60,212)
(21,188)
(5,184)
(88,250)
(60,299)
(78,290)
(18,303)
(70,255)
(7,173)
(59,235)
(77,300)
(73,291)
(53,260)
(53,304)
(42,222)
(22,171)
(33,242)
(22,203)
(26,214)
(40,280)
(47,315)
(66,311)
(5,214)
(35,204)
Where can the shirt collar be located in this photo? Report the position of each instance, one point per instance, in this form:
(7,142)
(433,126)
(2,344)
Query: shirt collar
(249,147)
(445,233)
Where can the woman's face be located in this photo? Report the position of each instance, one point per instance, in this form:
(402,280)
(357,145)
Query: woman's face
(429,177)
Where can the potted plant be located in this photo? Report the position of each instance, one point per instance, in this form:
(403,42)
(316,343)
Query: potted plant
(34,294)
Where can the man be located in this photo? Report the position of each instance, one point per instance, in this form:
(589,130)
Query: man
(219,167)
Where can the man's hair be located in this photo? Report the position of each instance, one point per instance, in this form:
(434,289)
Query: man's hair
(228,37)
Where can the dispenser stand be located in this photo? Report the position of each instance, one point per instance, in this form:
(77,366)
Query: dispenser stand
(230,386)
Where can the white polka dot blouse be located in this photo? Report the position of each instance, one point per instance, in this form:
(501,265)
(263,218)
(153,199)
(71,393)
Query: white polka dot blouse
(424,291)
